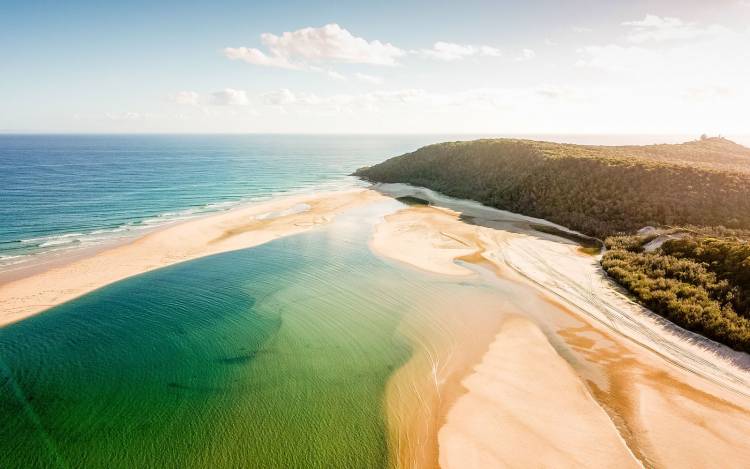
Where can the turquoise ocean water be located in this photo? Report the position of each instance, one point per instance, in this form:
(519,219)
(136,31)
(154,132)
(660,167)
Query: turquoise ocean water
(59,192)
(276,356)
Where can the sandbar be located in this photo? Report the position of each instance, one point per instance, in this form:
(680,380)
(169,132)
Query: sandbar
(669,398)
(240,228)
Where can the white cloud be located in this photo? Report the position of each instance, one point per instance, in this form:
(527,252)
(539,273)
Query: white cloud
(654,54)
(708,92)
(124,116)
(229,97)
(373,80)
(342,103)
(449,51)
(672,107)
(279,97)
(489,51)
(329,43)
(617,58)
(418,100)
(188,98)
(556,92)
(684,84)
(526,54)
(258,57)
(658,29)
(335,75)
(398,96)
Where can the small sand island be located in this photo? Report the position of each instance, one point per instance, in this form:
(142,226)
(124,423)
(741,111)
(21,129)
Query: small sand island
(525,353)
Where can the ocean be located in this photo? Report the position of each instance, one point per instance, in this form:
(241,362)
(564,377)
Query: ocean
(306,351)
(276,356)
(61,192)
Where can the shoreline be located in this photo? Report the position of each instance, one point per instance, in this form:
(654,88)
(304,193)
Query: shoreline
(659,392)
(466,391)
(43,260)
(532,425)
(42,287)
(507,242)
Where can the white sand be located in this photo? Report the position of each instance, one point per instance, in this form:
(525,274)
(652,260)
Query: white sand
(675,404)
(673,401)
(417,237)
(526,407)
(236,229)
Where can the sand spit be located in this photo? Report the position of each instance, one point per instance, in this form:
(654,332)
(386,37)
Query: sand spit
(672,401)
(236,229)
(590,379)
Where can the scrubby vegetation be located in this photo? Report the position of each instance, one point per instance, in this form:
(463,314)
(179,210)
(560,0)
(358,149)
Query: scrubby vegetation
(698,277)
(697,281)
(597,190)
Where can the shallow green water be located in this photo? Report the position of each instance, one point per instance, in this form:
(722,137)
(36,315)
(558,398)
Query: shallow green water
(275,356)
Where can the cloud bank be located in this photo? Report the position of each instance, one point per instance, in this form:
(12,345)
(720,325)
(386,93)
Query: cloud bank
(329,43)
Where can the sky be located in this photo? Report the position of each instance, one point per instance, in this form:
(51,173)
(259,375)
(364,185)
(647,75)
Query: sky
(532,67)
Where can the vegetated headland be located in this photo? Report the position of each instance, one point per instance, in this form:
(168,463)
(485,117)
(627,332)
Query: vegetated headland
(675,218)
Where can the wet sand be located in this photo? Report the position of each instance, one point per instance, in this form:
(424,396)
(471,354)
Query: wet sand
(587,378)
(526,407)
(448,338)
(646,393)
(241,228)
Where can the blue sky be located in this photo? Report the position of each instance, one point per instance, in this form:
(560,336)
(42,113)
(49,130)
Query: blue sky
(486,67)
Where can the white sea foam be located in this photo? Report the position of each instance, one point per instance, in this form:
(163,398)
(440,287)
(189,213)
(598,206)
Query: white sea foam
(6,260)
(35,248)
(51,238)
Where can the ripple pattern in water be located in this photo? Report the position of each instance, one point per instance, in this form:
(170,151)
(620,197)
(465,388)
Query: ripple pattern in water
(275,356)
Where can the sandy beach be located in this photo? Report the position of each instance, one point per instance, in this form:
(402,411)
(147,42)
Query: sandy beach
(650,396)
(567,369)
(511,418)
(227,231)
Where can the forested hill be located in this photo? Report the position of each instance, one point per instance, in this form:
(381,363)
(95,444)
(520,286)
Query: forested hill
(710,153)
(597,190)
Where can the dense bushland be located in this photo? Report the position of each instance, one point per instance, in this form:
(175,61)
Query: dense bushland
(700,279)
(699,282)
(597,190)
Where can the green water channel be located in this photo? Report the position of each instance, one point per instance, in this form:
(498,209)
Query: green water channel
(275,356)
